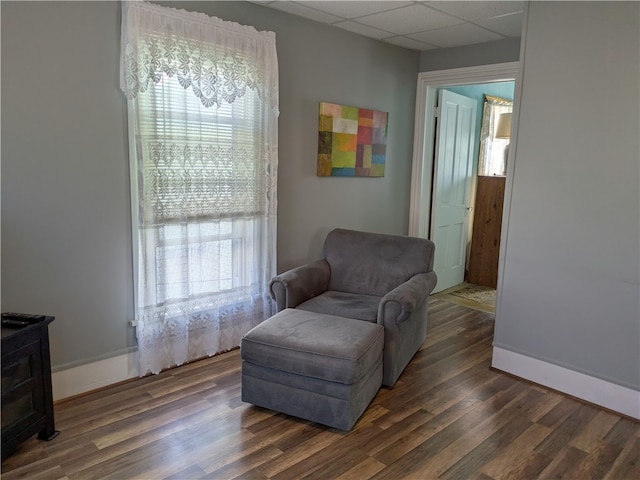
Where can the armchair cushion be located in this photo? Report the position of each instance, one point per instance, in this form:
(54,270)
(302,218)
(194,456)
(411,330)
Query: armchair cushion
(342,304)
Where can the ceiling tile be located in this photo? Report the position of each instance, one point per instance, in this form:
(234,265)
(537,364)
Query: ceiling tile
(351,10)
(407,42)
(436,23)
(362,29)
(476,10)
(306,12)
(509,25)
(455,36)
(411,19)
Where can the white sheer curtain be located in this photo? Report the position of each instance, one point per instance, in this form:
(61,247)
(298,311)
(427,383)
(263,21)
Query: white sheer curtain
(492,156)
(202,96)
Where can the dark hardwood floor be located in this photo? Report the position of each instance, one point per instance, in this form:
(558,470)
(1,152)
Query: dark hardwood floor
(449,416)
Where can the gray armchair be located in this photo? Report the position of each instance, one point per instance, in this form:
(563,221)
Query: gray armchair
(373,277)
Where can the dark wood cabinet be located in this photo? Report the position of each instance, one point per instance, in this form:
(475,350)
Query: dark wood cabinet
(27,398)
(485,239)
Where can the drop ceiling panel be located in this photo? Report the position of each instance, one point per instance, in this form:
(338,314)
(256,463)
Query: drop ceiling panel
(361,29)
(410,19)
(409,43)
(509,25)
(418,25)
(455,36)
(355,9)
(477,10)
(300,10)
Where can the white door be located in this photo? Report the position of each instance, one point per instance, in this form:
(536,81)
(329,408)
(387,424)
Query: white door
(455,137)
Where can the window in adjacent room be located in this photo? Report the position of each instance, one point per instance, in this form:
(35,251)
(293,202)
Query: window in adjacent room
(494,136)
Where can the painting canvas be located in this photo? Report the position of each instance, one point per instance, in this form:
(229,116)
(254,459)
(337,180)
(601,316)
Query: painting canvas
(352,141)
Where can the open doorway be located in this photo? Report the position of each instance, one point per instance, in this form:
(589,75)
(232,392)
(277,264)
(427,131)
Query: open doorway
(423,174)
(487,181)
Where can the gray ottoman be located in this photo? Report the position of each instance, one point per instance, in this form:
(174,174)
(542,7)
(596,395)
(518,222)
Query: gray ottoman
(314,366)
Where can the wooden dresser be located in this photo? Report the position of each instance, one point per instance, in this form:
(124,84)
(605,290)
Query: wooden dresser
(485,239)
(27,399)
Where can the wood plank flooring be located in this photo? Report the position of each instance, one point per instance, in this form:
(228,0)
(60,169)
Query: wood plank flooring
(449,417)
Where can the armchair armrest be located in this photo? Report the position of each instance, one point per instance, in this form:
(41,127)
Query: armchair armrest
(291,288)
(399,303)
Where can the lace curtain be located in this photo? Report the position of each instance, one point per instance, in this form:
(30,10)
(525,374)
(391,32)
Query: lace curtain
(492,157)
(202,98)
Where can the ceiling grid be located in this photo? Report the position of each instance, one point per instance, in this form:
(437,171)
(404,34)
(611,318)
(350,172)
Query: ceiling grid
(417,25)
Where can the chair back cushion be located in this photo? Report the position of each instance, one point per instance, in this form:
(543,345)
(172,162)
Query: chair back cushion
(374,263)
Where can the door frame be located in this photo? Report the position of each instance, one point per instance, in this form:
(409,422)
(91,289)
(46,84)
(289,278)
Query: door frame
(424,134)
(424,142)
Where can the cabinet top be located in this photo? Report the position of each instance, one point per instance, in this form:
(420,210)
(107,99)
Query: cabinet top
(15,323)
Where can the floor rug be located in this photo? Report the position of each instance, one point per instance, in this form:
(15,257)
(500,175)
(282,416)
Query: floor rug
(477,293)
(472,296)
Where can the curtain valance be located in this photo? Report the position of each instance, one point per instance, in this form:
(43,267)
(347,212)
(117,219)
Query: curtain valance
(160,41)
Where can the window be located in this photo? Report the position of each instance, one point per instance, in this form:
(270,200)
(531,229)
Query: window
(201,171)
(202,102)
(493,150)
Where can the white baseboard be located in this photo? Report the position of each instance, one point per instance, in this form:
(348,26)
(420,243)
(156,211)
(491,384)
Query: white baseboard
(85,378)
(594,390)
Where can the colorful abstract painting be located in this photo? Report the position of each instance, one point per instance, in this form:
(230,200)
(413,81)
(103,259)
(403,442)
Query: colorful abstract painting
(352,141)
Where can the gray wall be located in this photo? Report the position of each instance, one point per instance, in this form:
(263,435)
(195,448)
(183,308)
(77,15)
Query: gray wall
(570,287)
(66,235)
(499,51)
